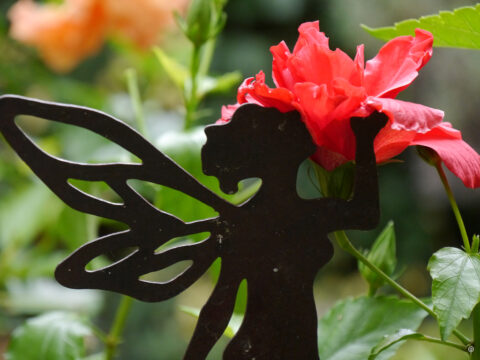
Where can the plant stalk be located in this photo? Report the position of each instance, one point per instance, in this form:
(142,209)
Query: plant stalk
(191,97)
(475,355)
(346,245)
(134,92)
(453,204)
(115,333)
(439,341)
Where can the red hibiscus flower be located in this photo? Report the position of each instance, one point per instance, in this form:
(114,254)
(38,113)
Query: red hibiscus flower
(328,88)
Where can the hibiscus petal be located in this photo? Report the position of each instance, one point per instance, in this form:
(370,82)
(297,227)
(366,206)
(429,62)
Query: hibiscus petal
(390,143)
(281,74)
(397,64)
(227,113)
(457,155)
(406,115)
(327,159)
(310,35)
(257,92)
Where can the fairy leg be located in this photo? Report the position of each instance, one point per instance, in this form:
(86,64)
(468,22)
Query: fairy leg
(214,317)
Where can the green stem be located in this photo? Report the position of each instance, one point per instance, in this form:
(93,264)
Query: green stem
(191,98)
(439,341)
(207,57)
(345,244)
(453,203)
(476,333)
(134,92)
(115,333)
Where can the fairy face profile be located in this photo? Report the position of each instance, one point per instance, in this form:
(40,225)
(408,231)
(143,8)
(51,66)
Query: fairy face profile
(257,142)
(276,241)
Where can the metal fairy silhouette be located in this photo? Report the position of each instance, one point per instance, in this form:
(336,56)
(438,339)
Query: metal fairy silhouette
(276,240)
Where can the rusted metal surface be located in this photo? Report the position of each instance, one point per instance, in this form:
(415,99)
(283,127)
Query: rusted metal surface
(277,241)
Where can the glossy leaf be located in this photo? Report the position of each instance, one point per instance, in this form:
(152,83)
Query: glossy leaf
(354,326)
(383,255)
(458,28)
(455,287)
(51,336)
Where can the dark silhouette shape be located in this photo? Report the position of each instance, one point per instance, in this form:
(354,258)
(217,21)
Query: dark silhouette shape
(276,240)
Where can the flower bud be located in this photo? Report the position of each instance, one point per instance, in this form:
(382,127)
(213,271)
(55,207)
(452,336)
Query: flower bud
(205,19)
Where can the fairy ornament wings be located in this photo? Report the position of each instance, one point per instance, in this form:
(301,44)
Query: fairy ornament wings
(276,241)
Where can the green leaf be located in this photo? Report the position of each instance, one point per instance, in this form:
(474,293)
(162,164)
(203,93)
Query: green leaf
(383,255)
(338,182)
(51,336)
(390,340)
(233,325)
(459,28)
(176,71)
(226,82)
(354,326)
(26,212)
(41,295)
(455,286)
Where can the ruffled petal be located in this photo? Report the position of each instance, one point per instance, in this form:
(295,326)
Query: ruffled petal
(257,92)
(406,115)
(227,113)
(281,74)
(457,155)
(397,64)
(390,143)
(313,61)
(310,35)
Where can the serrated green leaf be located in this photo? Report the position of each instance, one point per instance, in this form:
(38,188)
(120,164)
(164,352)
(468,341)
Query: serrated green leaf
(390,340)
(459,28)
(455,286)
(51,336)
(354,326)
(175,71)
(383,255)
(233,325)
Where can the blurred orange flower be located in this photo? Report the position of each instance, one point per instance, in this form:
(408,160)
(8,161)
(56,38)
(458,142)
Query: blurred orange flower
(141,21)
(66,34)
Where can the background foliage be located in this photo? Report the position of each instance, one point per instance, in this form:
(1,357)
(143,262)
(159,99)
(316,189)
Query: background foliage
(37,231)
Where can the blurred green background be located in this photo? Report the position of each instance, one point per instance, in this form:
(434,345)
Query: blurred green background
(37,231)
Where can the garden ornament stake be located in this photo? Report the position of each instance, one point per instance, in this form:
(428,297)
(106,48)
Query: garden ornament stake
(276,240)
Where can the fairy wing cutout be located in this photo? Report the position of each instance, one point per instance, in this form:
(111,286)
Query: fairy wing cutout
(276,240)
(149,227)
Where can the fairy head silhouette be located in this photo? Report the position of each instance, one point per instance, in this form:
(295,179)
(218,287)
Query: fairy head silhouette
(251,143)
(276,241)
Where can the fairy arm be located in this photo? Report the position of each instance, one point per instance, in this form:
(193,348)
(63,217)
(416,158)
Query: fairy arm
(362,211)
